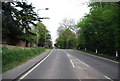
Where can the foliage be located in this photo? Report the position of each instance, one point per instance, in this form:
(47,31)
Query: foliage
(12,57)
(9,25)
(18,24)
(67,37)
(101,55)
(100,28)
(17,18)
(44,38)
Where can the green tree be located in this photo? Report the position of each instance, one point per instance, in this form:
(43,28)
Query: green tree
(10,27)
(67,35)
(44,38)
(99,29)
(17,19)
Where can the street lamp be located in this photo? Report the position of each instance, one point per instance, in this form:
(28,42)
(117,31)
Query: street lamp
(41,18)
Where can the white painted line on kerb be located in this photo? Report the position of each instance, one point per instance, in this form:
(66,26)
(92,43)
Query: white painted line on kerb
(108,78)
(36,66)
(83,63)
(72,63)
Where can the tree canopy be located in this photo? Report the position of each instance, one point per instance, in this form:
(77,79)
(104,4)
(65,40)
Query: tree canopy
(67,36)
(100,28)
(17,17)
(18,23)
(44,37)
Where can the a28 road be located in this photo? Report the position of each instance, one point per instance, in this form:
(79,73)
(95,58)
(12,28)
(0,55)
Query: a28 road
(72,64)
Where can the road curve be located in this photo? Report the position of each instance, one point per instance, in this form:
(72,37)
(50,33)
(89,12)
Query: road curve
(56,66)
(106,67)
(71,64)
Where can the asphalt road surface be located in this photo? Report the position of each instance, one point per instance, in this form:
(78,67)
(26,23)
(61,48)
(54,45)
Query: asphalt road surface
(72,64)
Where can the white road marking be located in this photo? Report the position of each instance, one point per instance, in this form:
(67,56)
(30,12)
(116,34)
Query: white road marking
(83,63)
(77,59)
(99,57)
(68,55)
(35,66)
(108,78)
(65,51)
(71,60)
(72,63)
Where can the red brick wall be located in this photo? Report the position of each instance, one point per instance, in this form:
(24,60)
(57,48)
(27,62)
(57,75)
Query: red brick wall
(21,43)
(13,42)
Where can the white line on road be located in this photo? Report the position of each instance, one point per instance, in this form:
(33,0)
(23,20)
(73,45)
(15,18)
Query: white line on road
(68,55)
(99,57)
(78,60)
(83,63)
(35,66)
(72,63)
(108,78)
(65,51)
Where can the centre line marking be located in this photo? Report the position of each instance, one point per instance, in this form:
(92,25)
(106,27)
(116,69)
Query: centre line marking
(83,63)
(70,60)
(108,78)
(72,63)
(35,66)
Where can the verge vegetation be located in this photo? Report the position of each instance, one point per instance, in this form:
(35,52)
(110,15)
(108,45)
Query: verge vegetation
(102,55)
(12,57)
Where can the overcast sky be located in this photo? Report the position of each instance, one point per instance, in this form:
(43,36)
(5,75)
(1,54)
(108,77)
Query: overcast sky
(58,10)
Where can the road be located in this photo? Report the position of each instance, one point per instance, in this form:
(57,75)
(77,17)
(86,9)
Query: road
(73,64)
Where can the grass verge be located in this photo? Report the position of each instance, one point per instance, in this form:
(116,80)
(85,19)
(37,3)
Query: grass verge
(99,54)
(102,55)
(12,57)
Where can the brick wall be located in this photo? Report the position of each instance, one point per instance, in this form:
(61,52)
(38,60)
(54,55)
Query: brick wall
(21,43)
(13,42)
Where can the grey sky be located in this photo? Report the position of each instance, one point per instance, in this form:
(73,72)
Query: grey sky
(58,10)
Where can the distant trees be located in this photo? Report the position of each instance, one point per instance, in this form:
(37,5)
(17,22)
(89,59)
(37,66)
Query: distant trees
(100,28)
(67,36)
(44,38)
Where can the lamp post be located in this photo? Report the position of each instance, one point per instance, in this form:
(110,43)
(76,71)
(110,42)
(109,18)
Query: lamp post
(45,39)
(37,24)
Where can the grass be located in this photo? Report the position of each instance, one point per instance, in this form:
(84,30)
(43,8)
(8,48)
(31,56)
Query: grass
(14,56)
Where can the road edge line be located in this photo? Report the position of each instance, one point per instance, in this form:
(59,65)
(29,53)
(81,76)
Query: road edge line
(83,63)
(99,57)
(18,78)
